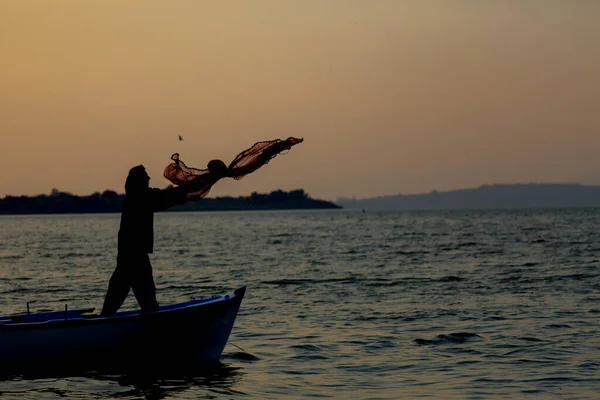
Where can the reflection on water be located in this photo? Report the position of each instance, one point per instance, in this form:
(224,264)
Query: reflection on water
(156,383)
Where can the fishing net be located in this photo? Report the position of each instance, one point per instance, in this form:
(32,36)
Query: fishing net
(200,181)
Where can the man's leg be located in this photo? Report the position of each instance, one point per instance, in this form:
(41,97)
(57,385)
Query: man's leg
(118,288)
(143,285)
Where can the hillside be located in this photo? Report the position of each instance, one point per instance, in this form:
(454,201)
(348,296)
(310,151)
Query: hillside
(487,196)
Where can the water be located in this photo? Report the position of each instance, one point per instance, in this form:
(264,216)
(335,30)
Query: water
(341,304)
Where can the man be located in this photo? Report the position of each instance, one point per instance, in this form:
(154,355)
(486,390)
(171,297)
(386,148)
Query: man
(136,235)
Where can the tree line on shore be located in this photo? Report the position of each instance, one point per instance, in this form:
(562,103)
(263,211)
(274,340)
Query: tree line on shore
(109,201)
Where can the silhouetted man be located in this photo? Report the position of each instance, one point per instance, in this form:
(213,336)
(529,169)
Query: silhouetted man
(136,236)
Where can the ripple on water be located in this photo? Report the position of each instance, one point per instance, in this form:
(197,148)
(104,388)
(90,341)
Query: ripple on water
(381,305)
(452,338)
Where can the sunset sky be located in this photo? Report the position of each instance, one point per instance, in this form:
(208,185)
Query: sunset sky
(391,96)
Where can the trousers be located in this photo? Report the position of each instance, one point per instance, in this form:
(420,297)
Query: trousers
(133,271)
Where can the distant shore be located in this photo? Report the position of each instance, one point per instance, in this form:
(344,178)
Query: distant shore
(109,201)
(499,196)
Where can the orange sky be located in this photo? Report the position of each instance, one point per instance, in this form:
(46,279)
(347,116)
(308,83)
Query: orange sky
(390,96)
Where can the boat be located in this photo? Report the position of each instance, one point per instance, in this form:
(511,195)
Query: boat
(191,332)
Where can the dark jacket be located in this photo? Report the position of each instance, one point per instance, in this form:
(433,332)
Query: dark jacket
(136,233)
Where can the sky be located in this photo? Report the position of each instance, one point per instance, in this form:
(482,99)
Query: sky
(390,96)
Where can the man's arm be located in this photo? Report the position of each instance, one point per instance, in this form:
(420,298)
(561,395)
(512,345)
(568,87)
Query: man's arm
(161,199)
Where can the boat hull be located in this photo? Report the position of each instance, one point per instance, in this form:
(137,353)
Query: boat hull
(195,333)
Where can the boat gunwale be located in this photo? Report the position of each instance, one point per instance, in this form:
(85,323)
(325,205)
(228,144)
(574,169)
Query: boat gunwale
(125,316)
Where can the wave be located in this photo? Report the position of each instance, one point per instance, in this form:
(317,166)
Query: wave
(452,338)
(241,356)
(450,278)
(75,255)
(301,281)
(557,326)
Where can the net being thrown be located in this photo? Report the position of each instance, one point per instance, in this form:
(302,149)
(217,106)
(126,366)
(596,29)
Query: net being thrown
(200,181)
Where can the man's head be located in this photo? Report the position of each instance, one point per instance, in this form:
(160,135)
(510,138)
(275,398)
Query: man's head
(218,168)
(137,180)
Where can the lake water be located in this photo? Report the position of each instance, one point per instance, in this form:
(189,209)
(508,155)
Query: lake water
(341,304)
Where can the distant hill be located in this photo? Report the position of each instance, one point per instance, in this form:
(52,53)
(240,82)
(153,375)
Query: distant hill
(531,195)
(110,202)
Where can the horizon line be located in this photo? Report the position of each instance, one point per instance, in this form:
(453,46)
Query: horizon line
(339,198)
